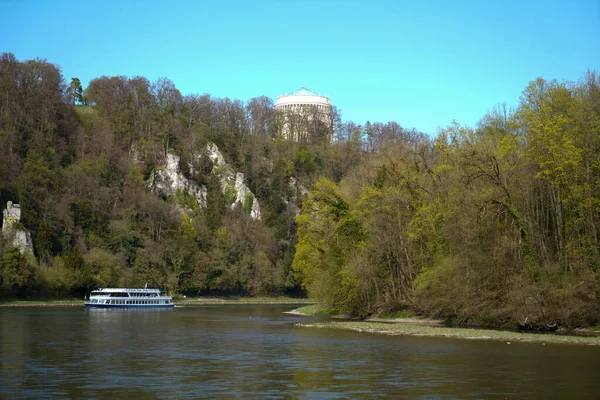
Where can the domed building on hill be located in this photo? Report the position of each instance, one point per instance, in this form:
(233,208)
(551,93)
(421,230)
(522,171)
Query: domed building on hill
(305,114)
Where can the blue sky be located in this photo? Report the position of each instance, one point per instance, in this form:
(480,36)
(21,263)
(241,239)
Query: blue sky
(420,63)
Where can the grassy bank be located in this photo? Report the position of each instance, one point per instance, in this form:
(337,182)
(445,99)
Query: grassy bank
(179,301)
(399,317)
(239,300)
(310,310)
(456,333)
(41,303)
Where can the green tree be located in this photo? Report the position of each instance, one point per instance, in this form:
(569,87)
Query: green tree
(17,275)
(75,92)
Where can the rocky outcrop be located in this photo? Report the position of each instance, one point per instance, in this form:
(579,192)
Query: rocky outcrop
(13,231)
(169,180)
(232,182)
(298,191)
(245,197)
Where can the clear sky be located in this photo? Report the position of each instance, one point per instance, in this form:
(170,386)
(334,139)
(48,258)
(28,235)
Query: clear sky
(420,63)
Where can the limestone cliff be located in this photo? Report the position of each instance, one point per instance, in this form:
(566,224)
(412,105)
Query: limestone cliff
(233,182)
(169,180)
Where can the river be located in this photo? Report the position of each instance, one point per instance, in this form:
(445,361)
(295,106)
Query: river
(256,351)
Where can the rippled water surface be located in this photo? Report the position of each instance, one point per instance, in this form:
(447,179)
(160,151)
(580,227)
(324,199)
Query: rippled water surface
(255,351)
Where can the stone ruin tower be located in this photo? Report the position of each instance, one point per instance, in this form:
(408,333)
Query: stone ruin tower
(12,231)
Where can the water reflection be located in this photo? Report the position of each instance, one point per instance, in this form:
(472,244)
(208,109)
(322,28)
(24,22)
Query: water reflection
(257,352)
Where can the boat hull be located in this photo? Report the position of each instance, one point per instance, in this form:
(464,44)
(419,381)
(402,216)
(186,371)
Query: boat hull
(88,305)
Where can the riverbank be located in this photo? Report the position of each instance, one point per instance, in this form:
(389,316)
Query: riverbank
(415,326)
(196,301)
(239,300)
(41,303)
(456,333)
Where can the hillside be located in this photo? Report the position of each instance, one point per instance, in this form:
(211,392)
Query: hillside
(129,181)
(141,184)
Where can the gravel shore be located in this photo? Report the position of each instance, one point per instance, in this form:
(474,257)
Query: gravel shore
(456,333)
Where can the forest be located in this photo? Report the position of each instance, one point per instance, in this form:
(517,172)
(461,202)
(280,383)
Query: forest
(496,224)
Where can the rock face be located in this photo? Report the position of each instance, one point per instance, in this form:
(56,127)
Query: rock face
(15,234)
(170,179)
(233,182)
(298,191)
(245,196)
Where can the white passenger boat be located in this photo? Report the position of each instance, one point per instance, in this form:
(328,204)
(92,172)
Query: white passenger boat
(129,298)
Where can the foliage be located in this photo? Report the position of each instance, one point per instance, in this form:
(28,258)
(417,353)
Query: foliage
(497,223)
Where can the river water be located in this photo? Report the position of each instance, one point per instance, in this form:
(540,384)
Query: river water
(255,351)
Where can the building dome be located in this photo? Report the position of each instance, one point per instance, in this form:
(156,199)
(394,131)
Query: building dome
(304,105)
(302,96)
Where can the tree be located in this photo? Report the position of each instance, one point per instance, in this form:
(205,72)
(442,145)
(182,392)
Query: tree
(75,92)
(17,275)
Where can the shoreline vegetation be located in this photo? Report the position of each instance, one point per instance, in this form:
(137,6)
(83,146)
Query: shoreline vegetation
(415,326)
(196,301)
